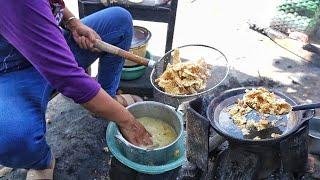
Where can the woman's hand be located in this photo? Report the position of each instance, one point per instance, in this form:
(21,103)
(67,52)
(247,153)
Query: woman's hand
(105,106)
(135,133)
(83,35)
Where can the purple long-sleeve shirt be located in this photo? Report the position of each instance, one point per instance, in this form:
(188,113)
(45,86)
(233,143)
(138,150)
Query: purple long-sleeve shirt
(31,28)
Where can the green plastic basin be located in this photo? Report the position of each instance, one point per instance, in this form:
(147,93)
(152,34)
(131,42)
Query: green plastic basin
(146,169)
(155,161)
(135,72)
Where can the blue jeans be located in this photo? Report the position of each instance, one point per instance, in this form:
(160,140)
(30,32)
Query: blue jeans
(24,94)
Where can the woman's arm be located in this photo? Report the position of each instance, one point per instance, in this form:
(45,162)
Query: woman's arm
(130,128)
(31,28)
(107,107)
(83,35)
(67,14)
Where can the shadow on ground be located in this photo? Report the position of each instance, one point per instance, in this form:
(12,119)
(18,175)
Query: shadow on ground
(304,76)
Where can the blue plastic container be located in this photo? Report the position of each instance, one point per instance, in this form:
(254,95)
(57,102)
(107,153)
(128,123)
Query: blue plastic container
(156,161)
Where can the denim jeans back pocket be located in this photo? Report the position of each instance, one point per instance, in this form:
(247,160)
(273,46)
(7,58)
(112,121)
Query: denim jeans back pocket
(10,58)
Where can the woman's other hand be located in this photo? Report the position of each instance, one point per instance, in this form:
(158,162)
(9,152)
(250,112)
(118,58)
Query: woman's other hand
(83,35)
(135,133)
(105,106)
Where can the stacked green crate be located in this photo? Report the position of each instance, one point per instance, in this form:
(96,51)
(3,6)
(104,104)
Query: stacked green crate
(297,15)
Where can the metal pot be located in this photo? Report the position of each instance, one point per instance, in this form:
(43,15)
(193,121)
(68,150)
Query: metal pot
(139,44)
(314,135)
(220,122)
(157,156)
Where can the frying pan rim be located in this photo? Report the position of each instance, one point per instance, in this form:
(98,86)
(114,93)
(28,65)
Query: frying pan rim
(190,95)
(220,98)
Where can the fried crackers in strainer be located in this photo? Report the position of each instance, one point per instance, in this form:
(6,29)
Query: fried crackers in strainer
(184,78)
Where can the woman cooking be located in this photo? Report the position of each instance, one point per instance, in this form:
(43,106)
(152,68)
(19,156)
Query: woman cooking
(36,56)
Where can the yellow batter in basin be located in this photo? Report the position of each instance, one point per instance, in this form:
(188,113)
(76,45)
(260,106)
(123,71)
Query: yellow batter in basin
(162,133)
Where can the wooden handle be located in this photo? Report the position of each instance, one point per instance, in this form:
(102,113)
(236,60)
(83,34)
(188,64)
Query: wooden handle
(106,47)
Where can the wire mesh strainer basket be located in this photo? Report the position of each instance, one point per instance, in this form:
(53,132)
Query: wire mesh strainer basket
(193,52)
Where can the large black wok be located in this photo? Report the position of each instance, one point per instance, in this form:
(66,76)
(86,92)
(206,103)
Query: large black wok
(223,124)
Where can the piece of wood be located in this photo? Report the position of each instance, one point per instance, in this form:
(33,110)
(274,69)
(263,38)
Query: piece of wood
(301,49)
(296,47)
